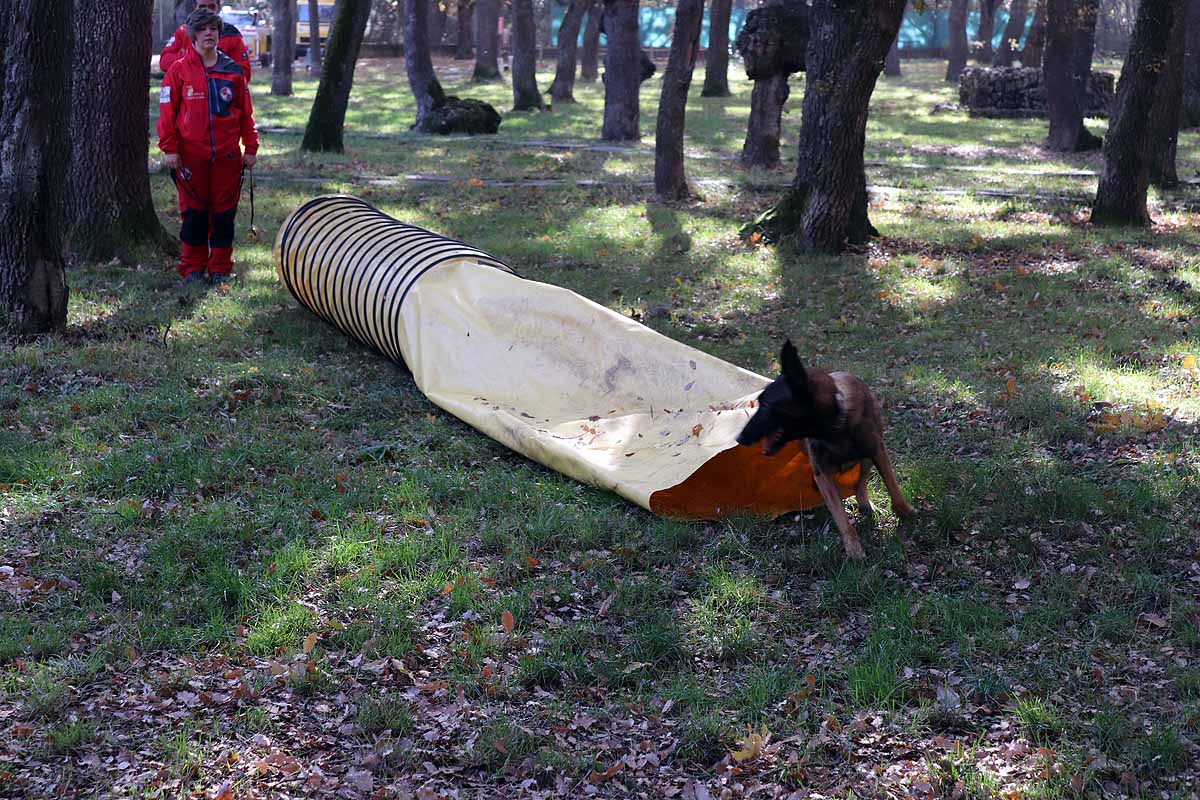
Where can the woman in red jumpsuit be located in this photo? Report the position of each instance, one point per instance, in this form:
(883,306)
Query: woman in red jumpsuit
(205,117)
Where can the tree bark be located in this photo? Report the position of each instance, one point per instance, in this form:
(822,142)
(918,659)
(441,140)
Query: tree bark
(314,39)
(1191,60)
(589,57)
(670,178)
(464,44)
(1121,195)
(763,131)
(1013,30)
(622,72)
(418,62)
(1167,112)
(323,133)
(891,64)
(562,88)
(1035,42)
(1084,45)
(35,98)
(526,96)
(109,209)
(826,206)
(1063,106)
(437,24)
(984,52)
(283,46)
(956,49)
(716,58)
(487,41)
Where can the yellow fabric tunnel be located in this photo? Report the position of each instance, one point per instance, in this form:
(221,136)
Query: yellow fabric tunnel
(562,380)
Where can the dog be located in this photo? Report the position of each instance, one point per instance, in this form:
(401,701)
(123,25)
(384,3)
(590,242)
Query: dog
(840,423)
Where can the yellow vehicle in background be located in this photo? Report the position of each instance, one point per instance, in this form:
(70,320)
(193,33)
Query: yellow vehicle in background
(254,33)
(325,12)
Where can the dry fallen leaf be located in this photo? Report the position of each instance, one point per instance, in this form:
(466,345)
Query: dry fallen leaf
(507,620)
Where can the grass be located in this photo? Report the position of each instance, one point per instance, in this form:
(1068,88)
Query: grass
(189,493)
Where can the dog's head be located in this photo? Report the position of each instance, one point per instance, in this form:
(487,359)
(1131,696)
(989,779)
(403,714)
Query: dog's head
(786,410)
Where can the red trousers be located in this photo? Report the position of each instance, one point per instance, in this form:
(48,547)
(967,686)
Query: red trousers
(208,198)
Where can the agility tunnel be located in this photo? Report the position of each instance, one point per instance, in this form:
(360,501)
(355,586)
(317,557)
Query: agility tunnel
(548,373)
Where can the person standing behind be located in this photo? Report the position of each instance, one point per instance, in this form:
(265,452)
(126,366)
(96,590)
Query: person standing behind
(204,112)
(230,43)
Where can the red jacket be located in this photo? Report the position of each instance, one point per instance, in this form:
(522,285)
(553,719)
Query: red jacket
(203,113)
(230,42)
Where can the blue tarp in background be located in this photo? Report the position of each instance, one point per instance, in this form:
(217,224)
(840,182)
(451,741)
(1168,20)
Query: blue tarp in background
(928,30)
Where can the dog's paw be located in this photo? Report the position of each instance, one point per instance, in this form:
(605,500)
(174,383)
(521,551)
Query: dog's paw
(904,510)
(854,549)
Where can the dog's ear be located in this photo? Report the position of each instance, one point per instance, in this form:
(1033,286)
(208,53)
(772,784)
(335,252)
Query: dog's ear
(793,370)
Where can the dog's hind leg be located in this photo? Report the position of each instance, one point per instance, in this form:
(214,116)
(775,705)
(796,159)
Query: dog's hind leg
(860,488)
(884,465)
(833,501)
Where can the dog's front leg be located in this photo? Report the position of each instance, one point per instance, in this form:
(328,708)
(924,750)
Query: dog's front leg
(865,506)
(833,501)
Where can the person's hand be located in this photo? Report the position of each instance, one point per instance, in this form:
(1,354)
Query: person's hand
(171,160)
(248,159)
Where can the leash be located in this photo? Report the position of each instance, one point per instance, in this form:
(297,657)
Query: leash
(252,234)
(184,174)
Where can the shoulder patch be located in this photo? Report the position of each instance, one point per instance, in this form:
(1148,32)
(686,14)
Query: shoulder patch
(164,94)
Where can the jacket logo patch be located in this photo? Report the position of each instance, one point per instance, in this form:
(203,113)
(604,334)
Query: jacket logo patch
(164,95)
(227,93)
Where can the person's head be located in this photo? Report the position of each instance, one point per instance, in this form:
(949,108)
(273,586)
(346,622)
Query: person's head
(211,5)
(204,27)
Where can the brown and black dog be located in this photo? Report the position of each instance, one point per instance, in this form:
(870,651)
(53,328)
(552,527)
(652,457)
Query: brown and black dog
(841,424)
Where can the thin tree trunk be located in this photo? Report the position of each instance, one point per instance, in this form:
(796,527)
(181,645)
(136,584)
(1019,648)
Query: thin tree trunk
(35,98)
(763,131)
(891,64)
(283,45)
(716,58)
(1191,60)
(109,209)
(984,53)
(956,49)
(1035,42)
(314,39)
(437,24)
(487,41)
(1121,195)
(1067,134)
(1168,105)
(1084,45)
(622,71)
(589,57)
(464,44)
(526,96)
(1017,14)
(826,206)
(562,88)
(417,61)
(670,179)
(323,133)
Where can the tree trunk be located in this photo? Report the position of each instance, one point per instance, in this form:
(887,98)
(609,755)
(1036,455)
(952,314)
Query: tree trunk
(956,49)
(1035,42)
(1168,105)
(418,63)
(761,148)
(589,57)
(1063,107)
(1017,14)
(891,64)
(314,39)
(323,133)
(984,53)
(1191,60)
(283,46)
(1121,195)
(716,58)
(562,89)
(622,71)
(35,98)
(826,206)
(670,179)
(437,24)
(464,45)
(1083,46)
(487,41)
(526,96)
(109,211)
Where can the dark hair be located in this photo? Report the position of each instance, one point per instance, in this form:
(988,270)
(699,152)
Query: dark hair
(200,19)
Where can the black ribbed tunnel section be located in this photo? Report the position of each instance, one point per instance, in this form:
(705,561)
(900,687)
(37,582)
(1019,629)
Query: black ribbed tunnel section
(352,265)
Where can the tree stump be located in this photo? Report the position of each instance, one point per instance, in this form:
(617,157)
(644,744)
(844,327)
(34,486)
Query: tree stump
(772,43)
(1005,92)
(471,117)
